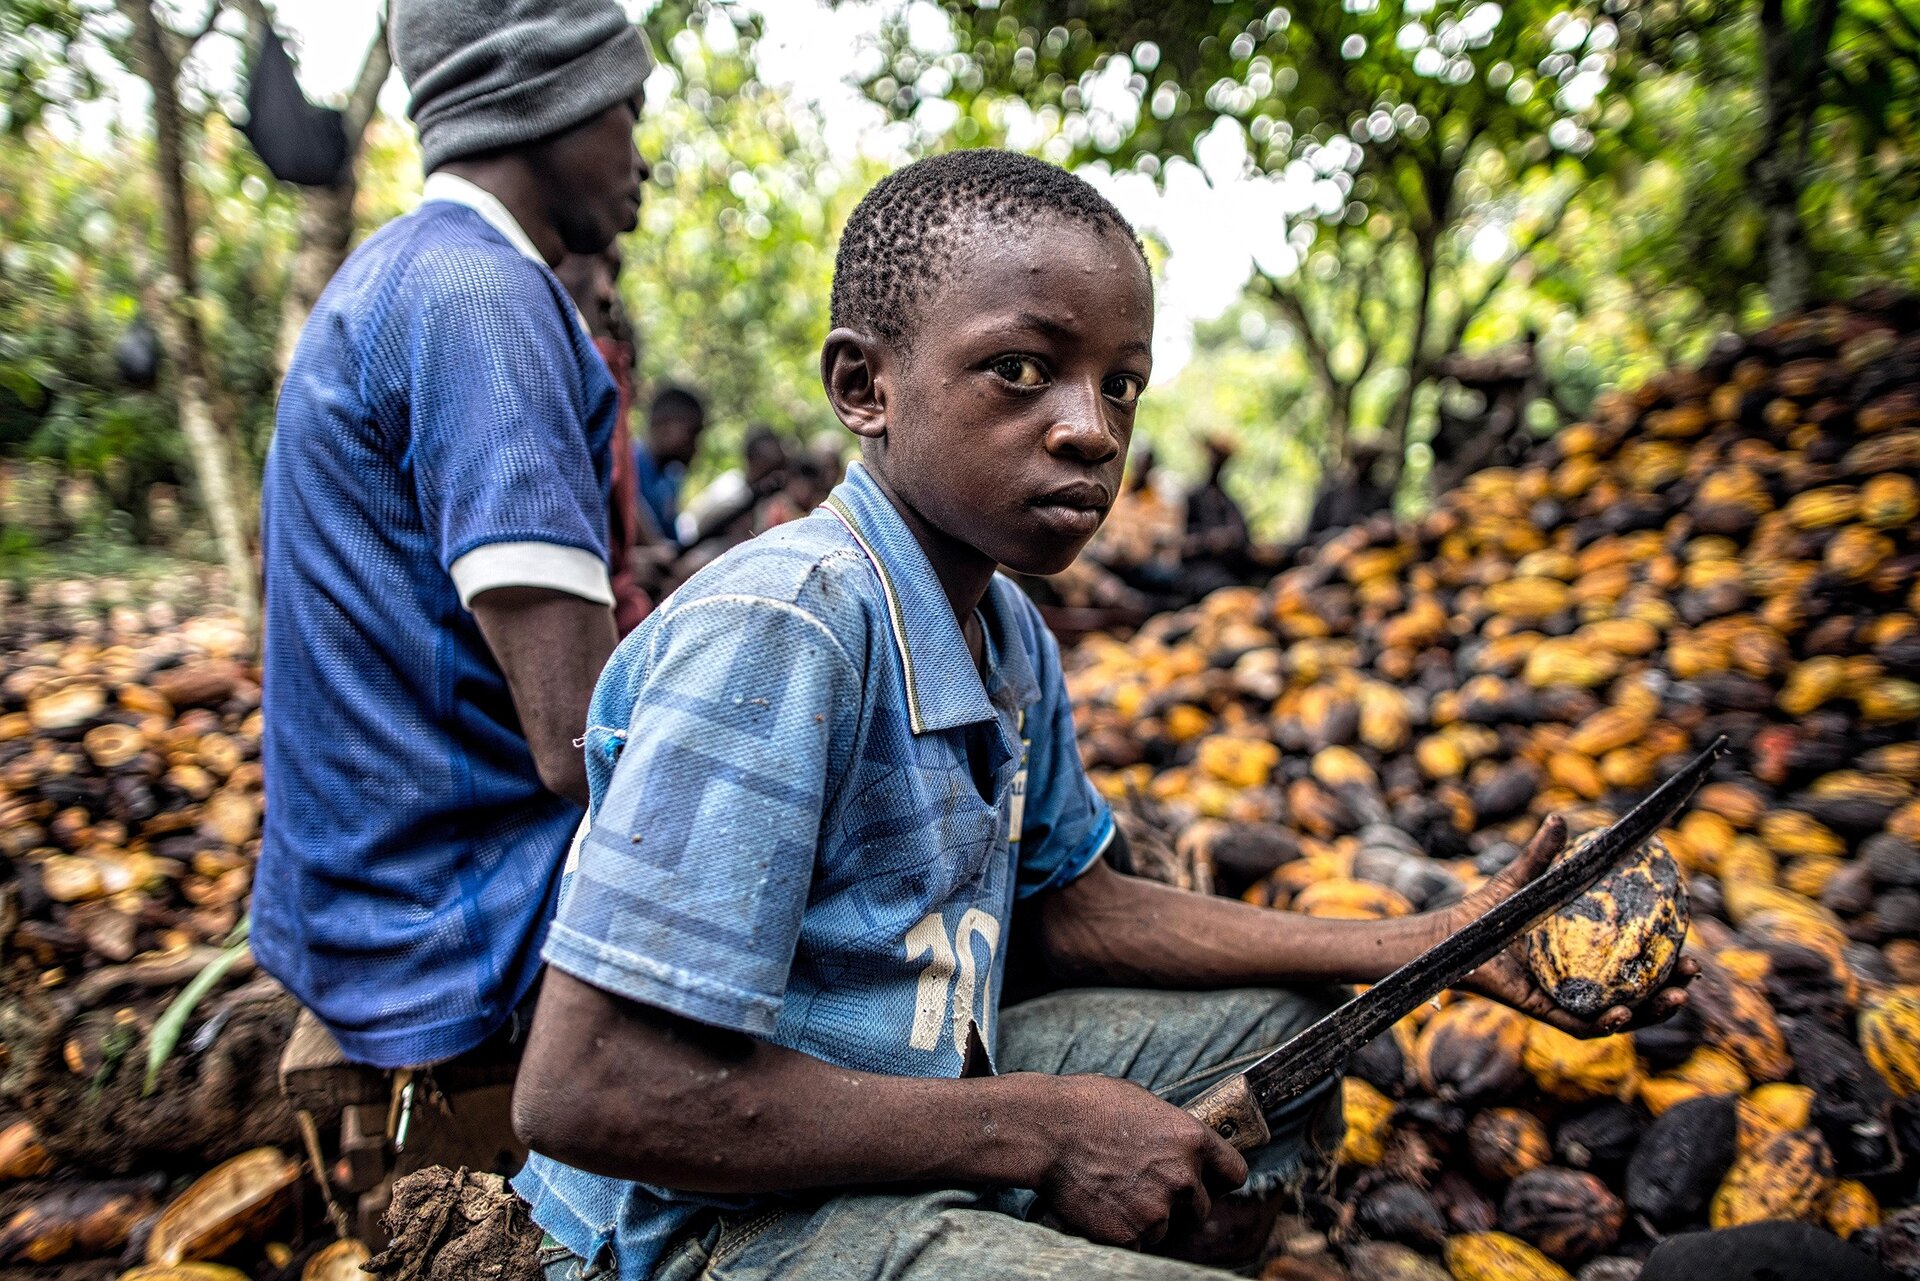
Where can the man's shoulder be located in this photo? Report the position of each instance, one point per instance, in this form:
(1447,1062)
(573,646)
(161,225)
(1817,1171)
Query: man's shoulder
(446,254)
(811,565)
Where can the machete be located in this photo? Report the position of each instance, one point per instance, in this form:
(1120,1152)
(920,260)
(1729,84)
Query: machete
(1235,1109)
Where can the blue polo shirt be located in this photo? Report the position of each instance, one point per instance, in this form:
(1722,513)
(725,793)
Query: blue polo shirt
(444,428)
(811,818)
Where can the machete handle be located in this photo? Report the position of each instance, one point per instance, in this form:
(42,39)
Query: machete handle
(1230,1111)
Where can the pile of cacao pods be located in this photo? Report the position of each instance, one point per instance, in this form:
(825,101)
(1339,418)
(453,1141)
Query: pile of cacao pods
(130,789)
(1725,550)
(130,798)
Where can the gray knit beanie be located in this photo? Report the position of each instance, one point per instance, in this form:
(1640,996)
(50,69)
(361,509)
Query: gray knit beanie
(495,73)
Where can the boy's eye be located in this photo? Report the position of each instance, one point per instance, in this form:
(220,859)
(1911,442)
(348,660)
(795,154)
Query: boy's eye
(1124,389)
(1021,371)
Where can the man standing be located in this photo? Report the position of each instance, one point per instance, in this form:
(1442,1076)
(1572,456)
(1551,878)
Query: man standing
(675,422)
(594,282)
(435,536)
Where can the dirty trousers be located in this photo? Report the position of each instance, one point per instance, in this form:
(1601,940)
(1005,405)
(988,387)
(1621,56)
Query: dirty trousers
(1173,1043)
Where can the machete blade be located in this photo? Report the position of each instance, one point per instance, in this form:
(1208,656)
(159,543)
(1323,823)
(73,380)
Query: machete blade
(1324,1047)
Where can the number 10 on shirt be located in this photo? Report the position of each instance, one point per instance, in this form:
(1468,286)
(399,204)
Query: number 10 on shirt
(939,1001)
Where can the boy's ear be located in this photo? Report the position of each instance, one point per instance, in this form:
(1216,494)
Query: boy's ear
(854,370)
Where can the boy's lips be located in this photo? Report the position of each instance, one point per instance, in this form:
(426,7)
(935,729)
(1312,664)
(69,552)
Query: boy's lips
(1074,510)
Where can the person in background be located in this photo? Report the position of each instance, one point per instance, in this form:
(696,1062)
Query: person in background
(594,282)
(438,604)
(676,420)
(735,491)
(1218,550)
(1349,494)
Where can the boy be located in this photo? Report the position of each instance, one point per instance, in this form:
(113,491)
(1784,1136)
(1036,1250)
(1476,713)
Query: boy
(826,769)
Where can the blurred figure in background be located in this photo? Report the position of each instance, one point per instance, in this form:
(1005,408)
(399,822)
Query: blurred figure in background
(734,492)
(1349,494)
(675,422)
(594,282)
(1141,541)
(1219,546)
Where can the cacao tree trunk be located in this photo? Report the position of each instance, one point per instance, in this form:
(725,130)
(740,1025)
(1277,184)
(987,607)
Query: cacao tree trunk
(326,213)
(209,446)
(1794,62)
(1419,367)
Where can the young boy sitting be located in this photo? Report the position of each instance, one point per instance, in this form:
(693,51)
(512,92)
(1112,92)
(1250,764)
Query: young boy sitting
(770,1042)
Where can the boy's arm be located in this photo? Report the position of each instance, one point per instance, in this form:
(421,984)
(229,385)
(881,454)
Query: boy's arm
(620,1088)
(1112,928)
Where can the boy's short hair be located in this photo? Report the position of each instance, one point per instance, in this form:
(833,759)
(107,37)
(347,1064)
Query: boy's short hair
(905,234)
(677,401)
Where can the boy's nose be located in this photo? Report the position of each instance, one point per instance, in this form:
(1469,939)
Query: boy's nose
(1082,430)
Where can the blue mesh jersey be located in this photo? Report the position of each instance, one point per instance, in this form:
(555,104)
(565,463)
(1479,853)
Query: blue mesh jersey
(787,837)
(443,398)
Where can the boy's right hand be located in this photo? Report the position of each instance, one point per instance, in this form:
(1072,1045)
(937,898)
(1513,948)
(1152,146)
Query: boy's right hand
(1125,1163)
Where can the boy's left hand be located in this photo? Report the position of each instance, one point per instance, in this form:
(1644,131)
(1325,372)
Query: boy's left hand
(1508,979)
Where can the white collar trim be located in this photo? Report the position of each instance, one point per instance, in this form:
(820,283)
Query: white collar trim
(442,185)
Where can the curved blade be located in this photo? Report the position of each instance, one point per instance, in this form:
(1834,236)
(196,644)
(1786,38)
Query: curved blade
(1323,1047)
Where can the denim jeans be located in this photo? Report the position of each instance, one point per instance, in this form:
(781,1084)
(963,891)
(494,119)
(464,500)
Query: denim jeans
(1173,1043)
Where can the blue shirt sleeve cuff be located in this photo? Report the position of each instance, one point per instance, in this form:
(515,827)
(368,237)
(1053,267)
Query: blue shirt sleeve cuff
(665,987)
(1082,860)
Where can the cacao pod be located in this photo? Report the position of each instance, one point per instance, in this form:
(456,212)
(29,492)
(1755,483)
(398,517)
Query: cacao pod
(1617,943)
(1566,1214)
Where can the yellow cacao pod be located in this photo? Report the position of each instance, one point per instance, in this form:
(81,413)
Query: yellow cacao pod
(1890,1036)
(1495,1256)
(1852,1208)
(1569,1067)
(1605,730)
(1812,683)
(1714,1071)
(1237,762)
(1344,899)
(1823,508)
(1889,500)
(1856,552)
(1615,944)
(1340,766)
(1779,1106)
(1658,1093)
(1790,1176)
(1528,599)
(1369,1116)
(1791,834)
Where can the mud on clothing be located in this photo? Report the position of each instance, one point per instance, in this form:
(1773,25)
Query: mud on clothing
(811,817)
(443,430)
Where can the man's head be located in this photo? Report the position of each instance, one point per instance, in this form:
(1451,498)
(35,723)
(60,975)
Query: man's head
(993,327)
(1220,451)
(675,420)
(557,81)
(764,454)
(594,282)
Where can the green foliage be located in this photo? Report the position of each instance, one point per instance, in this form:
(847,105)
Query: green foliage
(1422,147)
(81,237)
(728,276)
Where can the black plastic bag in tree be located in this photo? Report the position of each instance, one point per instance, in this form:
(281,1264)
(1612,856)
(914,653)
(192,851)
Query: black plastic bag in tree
(297,141)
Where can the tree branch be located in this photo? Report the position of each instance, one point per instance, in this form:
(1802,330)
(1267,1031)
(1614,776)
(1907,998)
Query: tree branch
(1302,324)
(1498,277)
(365,98)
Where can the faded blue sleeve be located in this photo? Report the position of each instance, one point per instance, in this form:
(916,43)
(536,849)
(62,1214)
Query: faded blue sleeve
(1067,825)
(499,406)
(693,878)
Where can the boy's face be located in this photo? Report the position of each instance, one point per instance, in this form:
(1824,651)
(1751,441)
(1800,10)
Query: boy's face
(1006,427)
